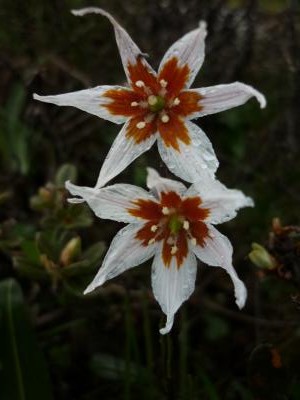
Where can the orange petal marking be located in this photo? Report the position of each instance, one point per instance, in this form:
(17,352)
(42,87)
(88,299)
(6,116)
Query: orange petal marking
(199,231)
(170,200)
(182,246)
(121,102)
(175,76)
(166,253)
(191,209)
(146,209)
(138,135)
(145,234)
(173,131)
(139,72)
(189,103)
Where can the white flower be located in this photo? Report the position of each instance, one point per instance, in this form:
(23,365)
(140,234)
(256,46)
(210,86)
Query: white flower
(158,106)
(171,223)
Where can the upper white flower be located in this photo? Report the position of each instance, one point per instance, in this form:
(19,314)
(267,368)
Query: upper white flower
(158,106)
(172,223)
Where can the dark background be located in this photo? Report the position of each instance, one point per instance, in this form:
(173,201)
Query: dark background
(56,343)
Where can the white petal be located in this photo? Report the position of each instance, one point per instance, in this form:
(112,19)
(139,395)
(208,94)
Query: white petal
(223,97)
(189,50)
(129,51)
(158,184)
(111,202)
(192,160)
(218,252)
(172,286)
(222,202)
(122,153)
(89,100)
(125,252)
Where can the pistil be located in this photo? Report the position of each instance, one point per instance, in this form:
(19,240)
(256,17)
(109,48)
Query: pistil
(156,103)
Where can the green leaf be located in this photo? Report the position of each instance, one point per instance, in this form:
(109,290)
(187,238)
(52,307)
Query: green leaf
(23,372)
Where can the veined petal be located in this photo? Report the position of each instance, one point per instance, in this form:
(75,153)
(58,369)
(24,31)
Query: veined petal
(92,101)
(158,184)
(189,51)
(223,97)
(223,203)
(111,202)
(172,285)
(129,51)
(125,252)
(191,160)
(123,151)
(217,251)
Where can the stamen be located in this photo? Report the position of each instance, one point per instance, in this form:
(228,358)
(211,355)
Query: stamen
(165,118)
(174,250)
(154,228)
(151,241)
(193,241)
(165,211)
(152,100)
(186,225)
(163,83)
(139,84)
(134,104)
(176,101)
(141,124)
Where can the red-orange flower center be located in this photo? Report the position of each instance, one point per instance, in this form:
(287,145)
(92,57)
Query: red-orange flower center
(175,221)
(156,103)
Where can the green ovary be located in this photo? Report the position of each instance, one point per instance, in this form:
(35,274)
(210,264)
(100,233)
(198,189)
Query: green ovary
(175,224)
(158,105)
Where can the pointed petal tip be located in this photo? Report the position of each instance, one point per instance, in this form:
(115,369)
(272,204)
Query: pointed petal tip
(261,99)
(241,296)
(88,290)
(203,27)
(258,95)
(168,326)
(87,10)
(69,186)
(38,97)
(76,191)
(75,200)
(249,202)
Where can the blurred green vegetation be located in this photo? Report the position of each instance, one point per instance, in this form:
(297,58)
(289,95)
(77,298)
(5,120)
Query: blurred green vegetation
(57,343)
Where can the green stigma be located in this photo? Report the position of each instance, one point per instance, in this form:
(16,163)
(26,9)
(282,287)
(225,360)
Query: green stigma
(156,103)
(175,224)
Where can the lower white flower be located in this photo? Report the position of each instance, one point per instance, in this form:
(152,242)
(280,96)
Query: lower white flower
(171,223)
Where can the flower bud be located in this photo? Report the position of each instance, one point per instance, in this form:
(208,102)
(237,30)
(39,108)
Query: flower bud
(261,257)
(71,250)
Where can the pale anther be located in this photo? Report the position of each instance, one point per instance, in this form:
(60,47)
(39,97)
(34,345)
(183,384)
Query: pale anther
(141,125)
(151,241)
(174,249)
(134,104)
(165,211)
(152,100)
(186,225)
(193,241)
(139,84)
(163,83)
(176,101)
(165,118)
(154,228)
